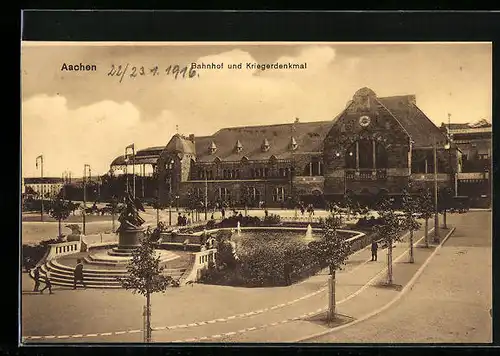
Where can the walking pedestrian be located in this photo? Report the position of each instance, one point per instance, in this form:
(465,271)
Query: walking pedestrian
(48,283)
(78,274)
(36,276)
(374,250)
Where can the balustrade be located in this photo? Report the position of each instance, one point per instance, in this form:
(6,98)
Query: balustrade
(365,174)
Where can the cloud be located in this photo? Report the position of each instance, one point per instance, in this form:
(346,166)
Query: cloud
(93,134)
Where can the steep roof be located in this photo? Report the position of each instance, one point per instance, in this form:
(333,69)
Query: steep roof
(421,129)
(309,137)
(180,144)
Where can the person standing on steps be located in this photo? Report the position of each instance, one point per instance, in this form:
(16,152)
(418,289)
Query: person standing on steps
(78,274)
(48,283)
(374,250)
(36,276)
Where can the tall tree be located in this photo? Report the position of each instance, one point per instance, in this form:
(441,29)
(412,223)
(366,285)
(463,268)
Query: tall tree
(145,276)
(426,209)
(389,231)
(331,250)
(410,223)
(60,210)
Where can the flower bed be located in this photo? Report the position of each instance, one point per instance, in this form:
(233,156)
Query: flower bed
(263,260)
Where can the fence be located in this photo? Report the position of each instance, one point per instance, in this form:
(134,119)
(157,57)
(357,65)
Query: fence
(61,249)
(202,259)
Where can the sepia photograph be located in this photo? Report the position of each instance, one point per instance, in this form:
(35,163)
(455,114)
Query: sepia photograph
(256,192)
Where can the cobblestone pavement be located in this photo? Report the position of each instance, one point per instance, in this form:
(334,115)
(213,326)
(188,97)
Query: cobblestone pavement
(211,313)
(450,302)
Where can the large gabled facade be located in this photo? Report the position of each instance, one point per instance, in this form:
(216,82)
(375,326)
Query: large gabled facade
(374,147)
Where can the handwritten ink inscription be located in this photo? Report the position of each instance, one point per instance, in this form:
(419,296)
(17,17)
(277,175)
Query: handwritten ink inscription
(132,72)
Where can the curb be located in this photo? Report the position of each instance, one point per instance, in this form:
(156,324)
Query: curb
(405,289)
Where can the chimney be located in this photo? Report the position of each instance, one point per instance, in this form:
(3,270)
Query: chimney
(412,99)
(191,138)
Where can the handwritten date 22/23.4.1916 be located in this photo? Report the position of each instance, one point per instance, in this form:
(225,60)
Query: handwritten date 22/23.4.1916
(134,71)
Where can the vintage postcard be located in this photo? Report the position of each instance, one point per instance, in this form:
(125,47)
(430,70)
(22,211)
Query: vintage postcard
(253,192)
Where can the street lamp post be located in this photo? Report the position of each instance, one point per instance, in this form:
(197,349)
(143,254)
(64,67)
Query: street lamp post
(132,146)
(126,172)
(41,183)
(436,213)
(85,166)
(206,197)
(170,165)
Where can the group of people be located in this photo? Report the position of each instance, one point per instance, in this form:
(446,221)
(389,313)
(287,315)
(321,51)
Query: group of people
(309,208)
(183,220)
(47,279)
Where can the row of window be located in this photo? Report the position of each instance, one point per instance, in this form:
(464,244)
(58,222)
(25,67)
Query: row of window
(237,174)
(253,194)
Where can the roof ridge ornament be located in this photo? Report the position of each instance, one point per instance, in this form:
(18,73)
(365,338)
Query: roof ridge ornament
(238,147)
(265,145)
(212,148)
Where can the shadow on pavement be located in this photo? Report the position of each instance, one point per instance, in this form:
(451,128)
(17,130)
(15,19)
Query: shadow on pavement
(383,285)
(320,319)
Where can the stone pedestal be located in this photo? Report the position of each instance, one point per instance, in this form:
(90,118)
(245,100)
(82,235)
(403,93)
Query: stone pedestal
(73,237)
(130,238)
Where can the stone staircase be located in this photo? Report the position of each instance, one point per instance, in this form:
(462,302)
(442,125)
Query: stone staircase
(101,276)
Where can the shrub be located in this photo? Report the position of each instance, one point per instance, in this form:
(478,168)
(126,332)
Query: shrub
(225,255)
(263,259)
(210,224)
(273,219)
(32,254)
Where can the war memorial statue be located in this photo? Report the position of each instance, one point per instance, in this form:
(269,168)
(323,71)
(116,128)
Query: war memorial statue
(130,230)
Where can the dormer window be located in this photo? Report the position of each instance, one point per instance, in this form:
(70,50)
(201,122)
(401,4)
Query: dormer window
(238,147)
(212,148)
(265,145)
(293,144)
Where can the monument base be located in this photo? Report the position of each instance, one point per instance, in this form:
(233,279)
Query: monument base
(130,238)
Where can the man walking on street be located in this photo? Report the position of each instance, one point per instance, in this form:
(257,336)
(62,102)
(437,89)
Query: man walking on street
(48,283)
(78,274)
(36,276)
(374,250)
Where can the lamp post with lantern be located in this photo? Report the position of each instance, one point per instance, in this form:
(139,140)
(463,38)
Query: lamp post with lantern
(41,185)
(169,167)
(85,166)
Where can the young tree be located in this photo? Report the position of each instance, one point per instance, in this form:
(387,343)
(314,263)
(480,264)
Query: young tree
(157,205)
(410,223)
(350,205)
(426,209)
(331,250)
(60,210)
(114,209)
(389,230)
(145,276)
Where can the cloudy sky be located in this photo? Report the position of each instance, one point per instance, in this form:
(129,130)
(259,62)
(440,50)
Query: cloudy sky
(74,118)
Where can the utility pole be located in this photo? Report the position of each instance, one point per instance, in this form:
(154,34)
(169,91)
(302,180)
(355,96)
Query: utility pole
(131,146)
(41,183)
(436,212)
(133,170)
(206,197)
(85,166)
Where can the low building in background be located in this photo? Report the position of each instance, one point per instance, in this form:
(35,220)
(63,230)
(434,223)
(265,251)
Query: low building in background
(474,141)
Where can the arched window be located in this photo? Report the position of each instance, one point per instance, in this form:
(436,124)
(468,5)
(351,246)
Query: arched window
(224,194)
(279,194)
(366,154)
